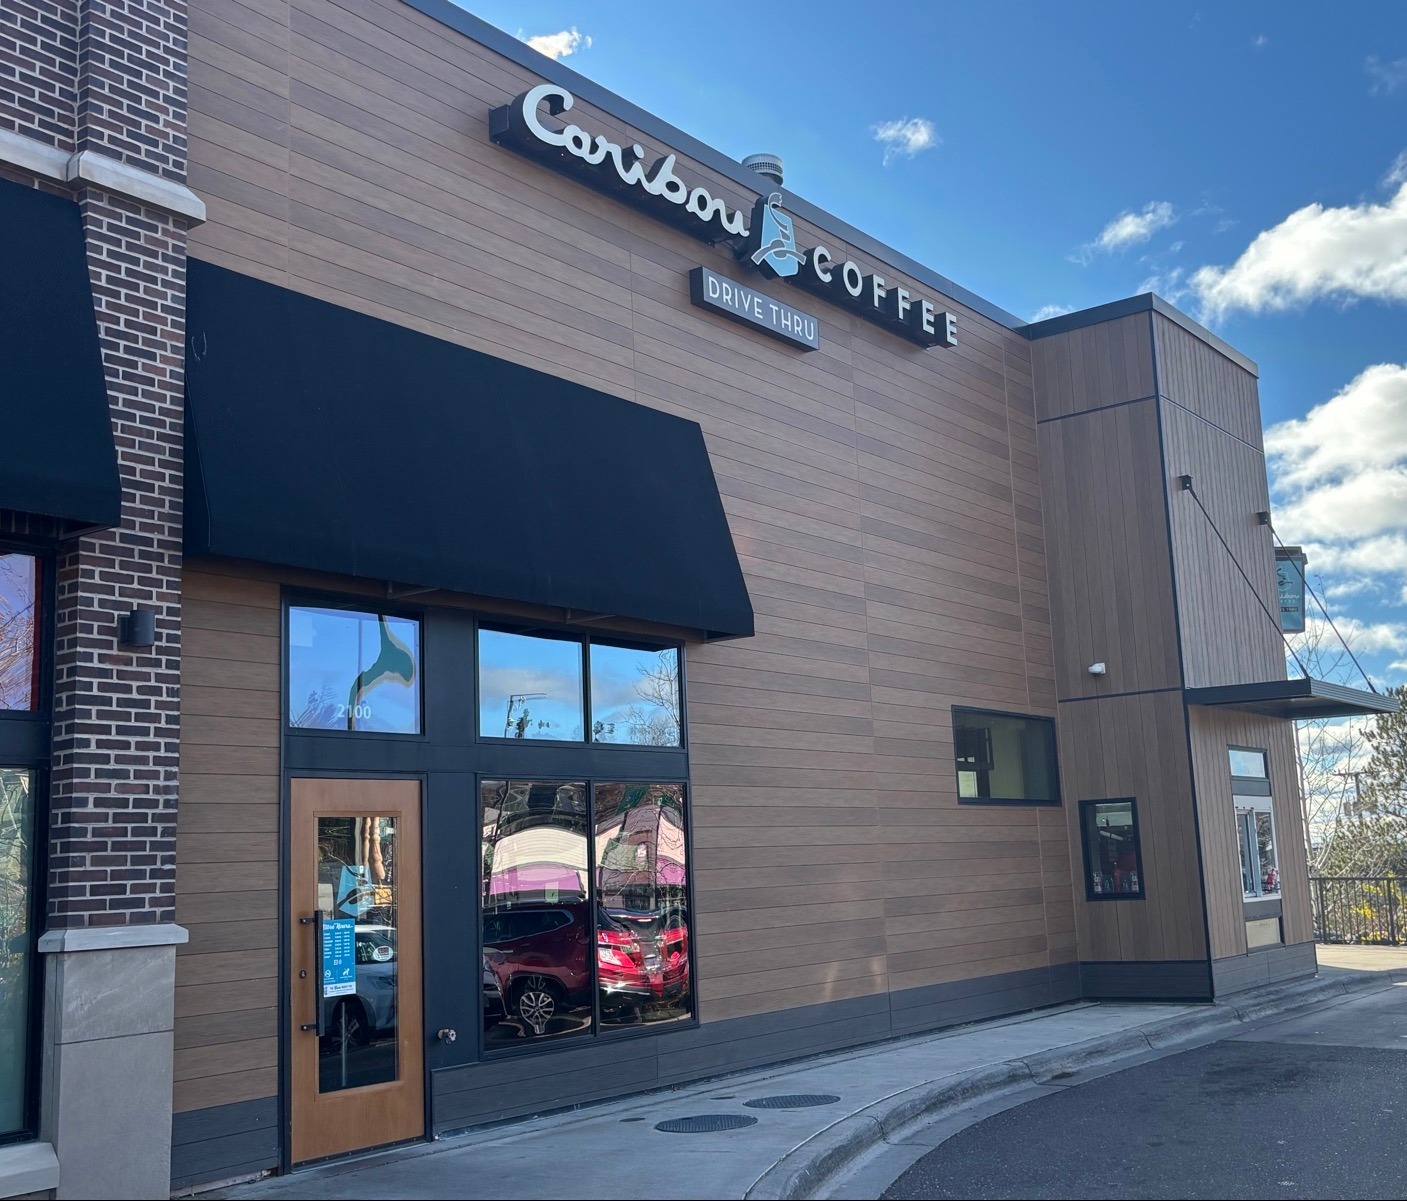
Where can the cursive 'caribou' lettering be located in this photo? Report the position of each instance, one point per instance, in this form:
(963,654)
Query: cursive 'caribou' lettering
(520,124)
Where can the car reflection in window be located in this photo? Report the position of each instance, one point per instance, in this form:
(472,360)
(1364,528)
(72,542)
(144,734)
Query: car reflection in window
(358,1044)
(538,962)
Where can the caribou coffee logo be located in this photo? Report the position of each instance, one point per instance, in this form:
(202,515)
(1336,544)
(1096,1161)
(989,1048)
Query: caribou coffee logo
(769,244)
(772,243)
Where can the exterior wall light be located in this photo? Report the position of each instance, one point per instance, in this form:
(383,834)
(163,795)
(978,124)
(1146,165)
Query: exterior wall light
(137,628)
(1097,669)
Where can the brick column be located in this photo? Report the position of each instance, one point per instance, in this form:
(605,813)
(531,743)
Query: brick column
(111,933)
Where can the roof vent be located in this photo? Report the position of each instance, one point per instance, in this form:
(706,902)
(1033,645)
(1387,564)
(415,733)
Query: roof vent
(769,165)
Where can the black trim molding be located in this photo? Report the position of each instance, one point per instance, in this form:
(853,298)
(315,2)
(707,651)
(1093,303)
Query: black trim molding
(1163,980)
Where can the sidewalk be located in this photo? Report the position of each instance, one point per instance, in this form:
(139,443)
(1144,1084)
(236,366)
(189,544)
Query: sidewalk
(868,1097)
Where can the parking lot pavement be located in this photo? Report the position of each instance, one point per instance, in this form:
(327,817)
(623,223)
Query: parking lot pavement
(1305,1106)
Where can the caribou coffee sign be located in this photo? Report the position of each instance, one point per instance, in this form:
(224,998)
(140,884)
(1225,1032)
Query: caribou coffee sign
(767,241)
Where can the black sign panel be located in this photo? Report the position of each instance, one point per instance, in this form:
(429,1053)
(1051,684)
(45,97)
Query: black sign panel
(719,293)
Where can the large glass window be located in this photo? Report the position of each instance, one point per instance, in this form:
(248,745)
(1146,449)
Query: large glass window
(1255,837)
(1005,758)
(349,670)
(17,820)
(19,626)
(1113,858)
(529,687)
(642,942)
(635,694)
(585,909)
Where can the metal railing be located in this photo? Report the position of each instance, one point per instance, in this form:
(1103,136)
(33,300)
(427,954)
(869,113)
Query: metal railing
(1358,909)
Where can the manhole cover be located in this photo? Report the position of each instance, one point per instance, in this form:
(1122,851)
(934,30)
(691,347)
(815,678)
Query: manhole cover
(705,1123)
(792,1101)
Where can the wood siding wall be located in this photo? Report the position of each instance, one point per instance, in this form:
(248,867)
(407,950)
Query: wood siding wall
(227,842)
(1121,734)
(885,501)
(1213,731)
(1230,628)
(1136,746)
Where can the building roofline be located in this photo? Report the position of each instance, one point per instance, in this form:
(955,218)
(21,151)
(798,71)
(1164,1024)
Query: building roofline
(500,42)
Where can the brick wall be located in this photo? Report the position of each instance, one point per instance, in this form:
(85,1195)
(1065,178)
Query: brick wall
(39,69)
(109,77)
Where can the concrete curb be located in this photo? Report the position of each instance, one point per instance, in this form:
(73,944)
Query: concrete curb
(808,1167)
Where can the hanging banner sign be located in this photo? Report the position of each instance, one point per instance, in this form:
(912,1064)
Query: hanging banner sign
(1289,576)
(767,242)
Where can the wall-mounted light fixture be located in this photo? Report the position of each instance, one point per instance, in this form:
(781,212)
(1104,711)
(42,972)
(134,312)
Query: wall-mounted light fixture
(1097,669)
(137,628)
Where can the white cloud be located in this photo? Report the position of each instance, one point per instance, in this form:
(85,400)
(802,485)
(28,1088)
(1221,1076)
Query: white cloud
(1316,253)
(1397,173)
(1260,40)
(1129,228)
(1386,77)
(1047,311)
(1167,284)
(559,45)
(1364,637)
(1339,476)
(907,136)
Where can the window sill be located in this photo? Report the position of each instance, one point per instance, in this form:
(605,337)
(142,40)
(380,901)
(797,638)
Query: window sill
(28,1168)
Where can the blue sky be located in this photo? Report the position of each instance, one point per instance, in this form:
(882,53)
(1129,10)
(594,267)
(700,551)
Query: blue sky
(1248,162)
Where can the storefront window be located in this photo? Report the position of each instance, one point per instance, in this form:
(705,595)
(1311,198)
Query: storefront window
(349,670)
(565,949)
(642,941)
(1113,858)
(1247,764)
(530,687)
(1005,758)
(19,625)
(1255,834)
(536,912)
(634,694)
(17,806)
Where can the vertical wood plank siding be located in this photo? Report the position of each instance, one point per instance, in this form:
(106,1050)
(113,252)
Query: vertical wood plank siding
(885,501)
(1213,731)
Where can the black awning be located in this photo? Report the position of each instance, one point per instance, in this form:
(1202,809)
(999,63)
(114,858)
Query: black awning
(322,438)
(1297,700)
(57,436)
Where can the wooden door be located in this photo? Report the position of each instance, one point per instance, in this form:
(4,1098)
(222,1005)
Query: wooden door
(356,1040)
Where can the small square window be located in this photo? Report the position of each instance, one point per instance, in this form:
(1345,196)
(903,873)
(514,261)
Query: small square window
(1247,764)
(349,670)
(1005,758)
(1113,858)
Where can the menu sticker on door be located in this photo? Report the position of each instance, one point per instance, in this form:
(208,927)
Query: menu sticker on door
(339,957)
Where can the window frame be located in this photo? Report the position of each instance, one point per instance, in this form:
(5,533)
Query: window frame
(1250,750)
(1090,895)
(348,604)
(25,746)
(1248,805)
(1054,803)
(594,1034)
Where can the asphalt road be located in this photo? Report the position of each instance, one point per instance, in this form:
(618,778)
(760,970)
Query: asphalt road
(1311,1106)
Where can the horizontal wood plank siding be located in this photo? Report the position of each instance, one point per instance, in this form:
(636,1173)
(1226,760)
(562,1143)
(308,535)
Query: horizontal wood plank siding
(885,501)
(227,842)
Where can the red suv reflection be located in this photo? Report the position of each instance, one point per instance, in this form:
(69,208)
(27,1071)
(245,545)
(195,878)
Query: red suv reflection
(537,953)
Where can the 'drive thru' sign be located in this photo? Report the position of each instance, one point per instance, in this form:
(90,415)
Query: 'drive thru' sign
(710,290)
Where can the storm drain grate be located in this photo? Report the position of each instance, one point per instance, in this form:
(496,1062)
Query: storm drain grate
(792,1101)
(705,1123)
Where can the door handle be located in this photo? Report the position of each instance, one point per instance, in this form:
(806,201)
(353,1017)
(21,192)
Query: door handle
(318,1025)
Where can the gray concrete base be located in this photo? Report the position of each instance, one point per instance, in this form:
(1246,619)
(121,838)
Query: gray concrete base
(105,1103)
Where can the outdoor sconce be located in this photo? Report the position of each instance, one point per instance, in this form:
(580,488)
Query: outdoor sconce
(137,628)
(1097,669)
